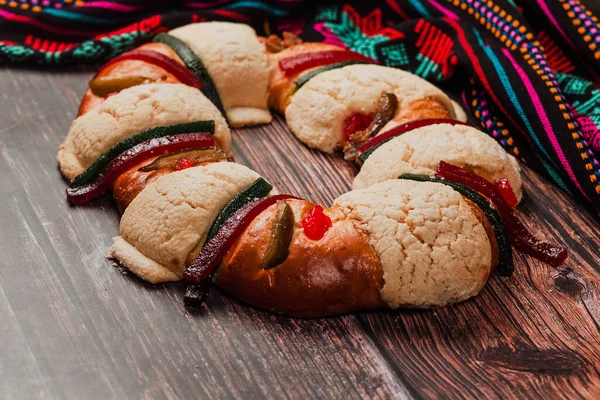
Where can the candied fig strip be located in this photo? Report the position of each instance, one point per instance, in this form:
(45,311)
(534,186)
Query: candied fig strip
(216,248)
(388,104)
(520,236)
(193,156)
(132,156)
(281,236)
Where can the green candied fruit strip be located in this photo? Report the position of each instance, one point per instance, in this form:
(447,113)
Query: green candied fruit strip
(94,170)
(257,189)
(194,64)
(311,74)
(505,260)
(363,156)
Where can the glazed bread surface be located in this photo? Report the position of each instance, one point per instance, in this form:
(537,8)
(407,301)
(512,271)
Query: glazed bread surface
(336,274)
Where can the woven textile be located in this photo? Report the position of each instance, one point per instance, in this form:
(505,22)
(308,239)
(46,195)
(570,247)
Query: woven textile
(529,69)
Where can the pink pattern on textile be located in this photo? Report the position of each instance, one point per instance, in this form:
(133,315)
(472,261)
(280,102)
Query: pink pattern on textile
(205,4)
(34,22)
(535,99)
(109,5)
(589,130)
(330,37)
(554,22)
(443,10)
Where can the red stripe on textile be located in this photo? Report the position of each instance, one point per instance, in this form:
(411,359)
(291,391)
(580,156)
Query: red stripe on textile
(394,6)
(462,38)
(231,14)
(30,21)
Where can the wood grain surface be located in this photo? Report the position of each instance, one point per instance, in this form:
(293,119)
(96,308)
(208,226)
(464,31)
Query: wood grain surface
(73,326)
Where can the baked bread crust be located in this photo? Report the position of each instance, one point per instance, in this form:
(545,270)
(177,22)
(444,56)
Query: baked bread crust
(168,219)
(420,151)
(433,248)
(132,68)
(317,110)
(237,64)
(131,111)
(337,274)
(281,86)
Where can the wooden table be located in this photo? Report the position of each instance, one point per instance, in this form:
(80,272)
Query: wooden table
(73,326)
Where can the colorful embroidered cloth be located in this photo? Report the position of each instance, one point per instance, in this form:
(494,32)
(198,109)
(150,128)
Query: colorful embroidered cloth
(529,69)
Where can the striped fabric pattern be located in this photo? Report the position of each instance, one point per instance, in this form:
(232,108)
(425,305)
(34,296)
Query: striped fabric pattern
(529,68)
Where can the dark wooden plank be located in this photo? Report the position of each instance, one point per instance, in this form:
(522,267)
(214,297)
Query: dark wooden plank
(74,326)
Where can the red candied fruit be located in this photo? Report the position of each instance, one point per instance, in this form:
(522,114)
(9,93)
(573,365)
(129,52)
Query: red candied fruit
(316,223)
(507,192)
(184,164)
(356,122)
(294,65)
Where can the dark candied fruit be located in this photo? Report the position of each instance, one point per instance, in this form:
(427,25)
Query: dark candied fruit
(215,249)
(519,235)
(388,104)
(98,183)
(281,236)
